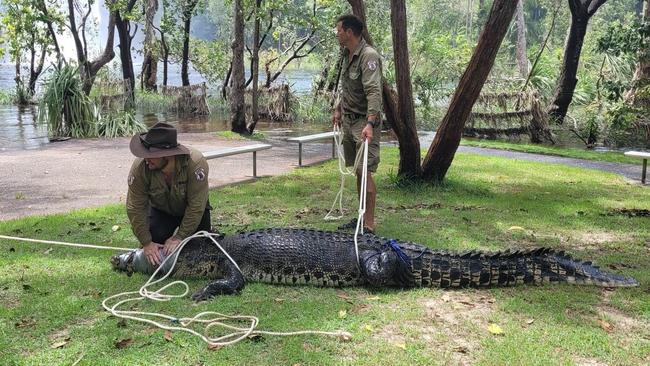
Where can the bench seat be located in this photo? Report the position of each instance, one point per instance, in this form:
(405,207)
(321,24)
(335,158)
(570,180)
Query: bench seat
(641,155)
(220,153)
(309,138)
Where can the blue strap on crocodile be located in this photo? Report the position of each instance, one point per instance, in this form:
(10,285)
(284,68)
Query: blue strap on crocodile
(394,245)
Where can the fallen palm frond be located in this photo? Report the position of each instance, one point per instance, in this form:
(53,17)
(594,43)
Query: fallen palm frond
(509,114)
(112,95)
(275,103)
(189,99)
(119,124)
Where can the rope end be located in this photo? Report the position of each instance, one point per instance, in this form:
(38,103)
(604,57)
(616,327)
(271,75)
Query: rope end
(344,336)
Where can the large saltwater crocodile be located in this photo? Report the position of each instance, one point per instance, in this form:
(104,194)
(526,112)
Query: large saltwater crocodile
(324,258)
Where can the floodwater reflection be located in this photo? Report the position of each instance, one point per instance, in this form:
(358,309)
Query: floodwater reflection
(20,130)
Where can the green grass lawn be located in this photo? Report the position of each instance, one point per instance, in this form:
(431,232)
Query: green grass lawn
(52,297)
(610,156)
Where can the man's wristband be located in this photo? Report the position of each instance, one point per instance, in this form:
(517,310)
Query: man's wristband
(374,124)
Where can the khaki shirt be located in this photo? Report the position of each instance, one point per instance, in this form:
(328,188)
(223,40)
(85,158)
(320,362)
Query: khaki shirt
(361,81)
(186,197)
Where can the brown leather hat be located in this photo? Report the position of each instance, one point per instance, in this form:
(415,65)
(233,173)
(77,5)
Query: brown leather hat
(158,142)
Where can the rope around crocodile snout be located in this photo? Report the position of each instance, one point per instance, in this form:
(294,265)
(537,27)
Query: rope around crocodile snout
(210,319)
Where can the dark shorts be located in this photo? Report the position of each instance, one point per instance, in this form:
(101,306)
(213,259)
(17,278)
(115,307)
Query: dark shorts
(352,142)
(162,224)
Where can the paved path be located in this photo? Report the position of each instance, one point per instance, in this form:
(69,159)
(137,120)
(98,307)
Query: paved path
(75,174)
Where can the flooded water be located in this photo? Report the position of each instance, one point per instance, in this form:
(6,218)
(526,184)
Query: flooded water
(19,128)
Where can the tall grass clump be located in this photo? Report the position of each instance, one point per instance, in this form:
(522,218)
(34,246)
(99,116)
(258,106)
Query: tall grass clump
(312,109)
(65,108)
(23,96)
(6,98)
(153,102)
(217,104)
(118,124)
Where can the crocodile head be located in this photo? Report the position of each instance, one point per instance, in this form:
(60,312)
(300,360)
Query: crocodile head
(124,262)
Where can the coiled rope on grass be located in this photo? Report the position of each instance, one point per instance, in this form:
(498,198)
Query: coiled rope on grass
(211,319)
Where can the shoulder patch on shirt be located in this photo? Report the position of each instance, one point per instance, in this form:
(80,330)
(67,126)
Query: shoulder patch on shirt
(131,179)
(372,65)
(200,174)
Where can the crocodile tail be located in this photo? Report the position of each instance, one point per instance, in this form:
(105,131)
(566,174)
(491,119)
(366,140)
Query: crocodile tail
(508,268)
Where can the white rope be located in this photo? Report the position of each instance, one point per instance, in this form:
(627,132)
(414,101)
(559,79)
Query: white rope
(215,319)
(344,172)
(64,243)
(362,157)
(362,201)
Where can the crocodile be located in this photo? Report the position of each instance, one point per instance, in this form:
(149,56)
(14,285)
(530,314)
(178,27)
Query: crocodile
(329,258)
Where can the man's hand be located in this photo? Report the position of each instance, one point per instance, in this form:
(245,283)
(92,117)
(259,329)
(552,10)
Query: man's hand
(336,117)
(170,245)
(152,252)
(366,133)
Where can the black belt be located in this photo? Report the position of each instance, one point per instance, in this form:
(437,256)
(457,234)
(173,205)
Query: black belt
(354,115)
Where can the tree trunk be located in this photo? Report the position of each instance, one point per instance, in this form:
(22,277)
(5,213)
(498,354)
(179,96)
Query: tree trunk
(88,69)
(237,106)
(165,56)
(186,52)
(581,12)
(409,164)
(149,79)
(124,33)
(35,70)
(18,79)
(226,81)
(642,73)
(522,59)
(255,65)
(444,146)
(50,29)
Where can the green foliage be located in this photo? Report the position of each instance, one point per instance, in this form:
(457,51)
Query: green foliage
(23,95)
(6,97)
(209,60)
(621,115)
(618,39)
(153,102)
(65,108)
(542,76)
(119,124)
(229,135)
(217,104)
(310,109)
(24,36)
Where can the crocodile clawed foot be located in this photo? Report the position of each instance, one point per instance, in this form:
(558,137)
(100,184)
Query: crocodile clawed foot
(201,295)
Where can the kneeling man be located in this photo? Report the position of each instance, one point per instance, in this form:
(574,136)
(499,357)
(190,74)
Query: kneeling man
(168,189)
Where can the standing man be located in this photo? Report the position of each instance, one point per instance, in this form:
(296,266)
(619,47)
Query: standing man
(360,105)
(168,189)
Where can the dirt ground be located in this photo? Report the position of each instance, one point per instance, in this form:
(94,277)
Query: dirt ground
(73,174)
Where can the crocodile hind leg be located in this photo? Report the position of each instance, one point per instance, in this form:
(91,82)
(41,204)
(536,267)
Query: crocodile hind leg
(231,283)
